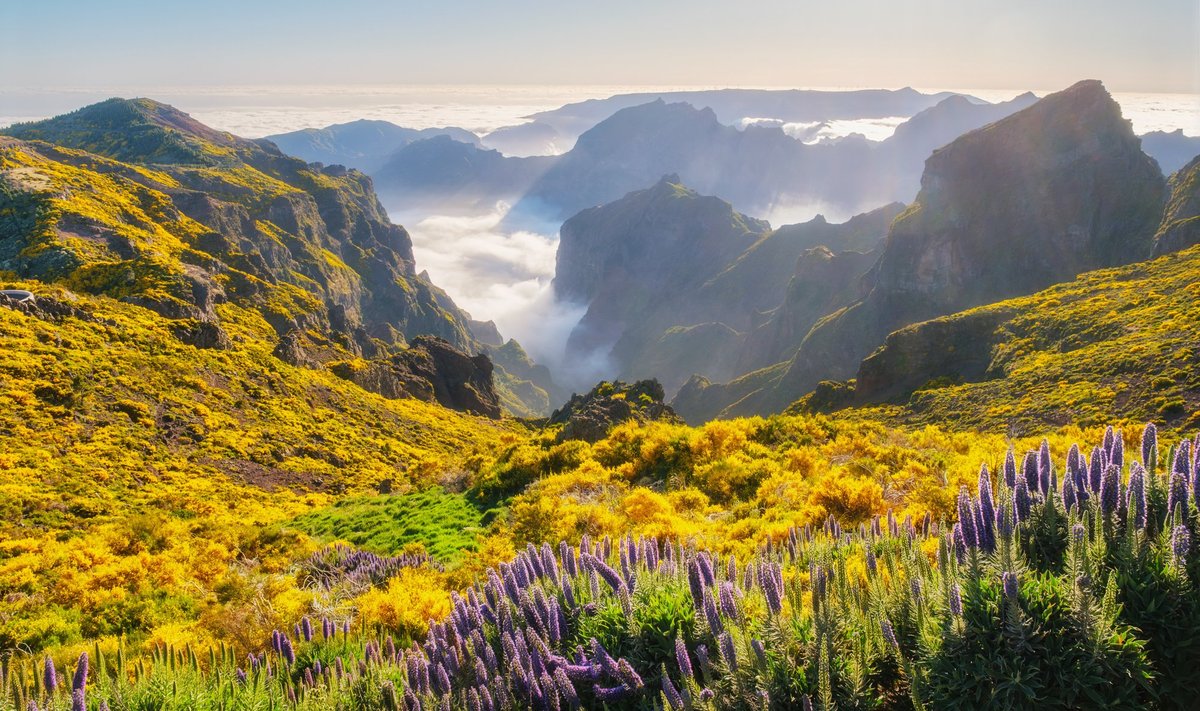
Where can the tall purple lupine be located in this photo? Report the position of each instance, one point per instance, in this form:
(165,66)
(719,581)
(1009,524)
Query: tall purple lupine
(728,653)
(674,699)
(1116,455)
(1149,446)
(1181,543)
(1010,469)
(960,545)
(683,660)
(1021,502)
(956,608)
(1177,495)
(1044,467)
(1137,496)
(79,682)
(78,700)
(1009,585)
(1110,490)
(1108,443)
(987,507)
(50,676)
(1068,494)
(889,633)
(1029,469)
(966,519)
(1095,470)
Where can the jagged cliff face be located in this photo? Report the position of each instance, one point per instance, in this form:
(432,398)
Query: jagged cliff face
(1034,199)
(1180,226)
(1057,189)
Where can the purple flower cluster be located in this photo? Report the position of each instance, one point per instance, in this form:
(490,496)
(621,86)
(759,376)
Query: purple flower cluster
(340,564)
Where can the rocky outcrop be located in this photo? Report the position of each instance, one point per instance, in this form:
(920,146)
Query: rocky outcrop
(1180,226)
(674,281)
(589,417)
(823,282)
(948,350)
(431,370)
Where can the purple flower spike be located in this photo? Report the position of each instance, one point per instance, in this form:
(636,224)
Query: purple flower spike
(1029,469)
(728,653)
(1044,466)
(1181,543)
(966,519)
(1149,445)
(1021,502)
(889,633)
(79,683)
(78,700)
(50,676)
(1010,469)
(1177,495)
(674,700)
(1009,585)
(1137,497)
(1095,470)
(956,608)
(683,660)
(1110,489)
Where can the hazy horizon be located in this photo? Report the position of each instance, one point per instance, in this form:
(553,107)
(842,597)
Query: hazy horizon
(705,42)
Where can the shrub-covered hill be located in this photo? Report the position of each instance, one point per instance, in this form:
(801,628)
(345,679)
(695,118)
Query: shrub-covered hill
(1120,341)
(139,474)
(136,200)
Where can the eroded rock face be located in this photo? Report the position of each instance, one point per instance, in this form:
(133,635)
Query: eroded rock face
(430,369)
(1180,226)
(589,417)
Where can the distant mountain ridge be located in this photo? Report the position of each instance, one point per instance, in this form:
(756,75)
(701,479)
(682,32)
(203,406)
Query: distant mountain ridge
(1066,189)
(364,144)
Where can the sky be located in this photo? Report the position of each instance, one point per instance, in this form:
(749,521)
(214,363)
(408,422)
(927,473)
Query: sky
(1149,46)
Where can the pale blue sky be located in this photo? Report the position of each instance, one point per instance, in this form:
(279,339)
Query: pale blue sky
(1133,46)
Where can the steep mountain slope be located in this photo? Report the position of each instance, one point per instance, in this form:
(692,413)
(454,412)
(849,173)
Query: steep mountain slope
(280,230)
(1114,342)
(674,281)
(636,262)
(1036,198)
(179,218)
(1180,226)
(363,145)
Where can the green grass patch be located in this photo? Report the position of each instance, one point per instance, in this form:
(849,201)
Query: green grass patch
(446,524)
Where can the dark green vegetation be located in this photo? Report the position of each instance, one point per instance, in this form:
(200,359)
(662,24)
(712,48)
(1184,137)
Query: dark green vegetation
(445,524)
